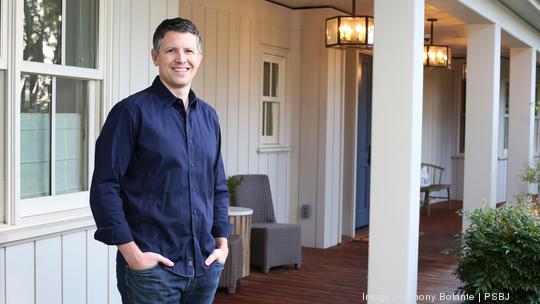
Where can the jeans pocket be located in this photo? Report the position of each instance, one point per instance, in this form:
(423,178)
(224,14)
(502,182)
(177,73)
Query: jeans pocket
(144,270)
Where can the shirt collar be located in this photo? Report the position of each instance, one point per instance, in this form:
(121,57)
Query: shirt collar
(167,97)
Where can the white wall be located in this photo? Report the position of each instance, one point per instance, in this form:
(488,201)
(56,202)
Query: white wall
(66,268)
(321,129)
(438,121)
(235,35)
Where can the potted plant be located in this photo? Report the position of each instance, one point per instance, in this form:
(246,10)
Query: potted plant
(232,184)
(499,254)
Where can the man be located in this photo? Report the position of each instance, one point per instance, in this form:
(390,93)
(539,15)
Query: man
(159,190)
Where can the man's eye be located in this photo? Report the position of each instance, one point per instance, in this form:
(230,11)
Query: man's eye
(169,51)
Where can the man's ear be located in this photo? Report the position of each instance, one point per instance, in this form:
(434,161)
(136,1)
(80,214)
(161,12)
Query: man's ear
(154,55)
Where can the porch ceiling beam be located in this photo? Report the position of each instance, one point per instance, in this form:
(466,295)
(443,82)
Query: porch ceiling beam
(396,149)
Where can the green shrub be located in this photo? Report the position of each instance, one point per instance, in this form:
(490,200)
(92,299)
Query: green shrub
(232,184)
(530,174)
(500,253)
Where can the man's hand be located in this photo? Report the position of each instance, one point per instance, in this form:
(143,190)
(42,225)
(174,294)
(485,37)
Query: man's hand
(138,260)
(220,253)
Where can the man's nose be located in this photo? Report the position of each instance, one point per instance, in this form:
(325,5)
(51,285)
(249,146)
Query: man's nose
(181,57)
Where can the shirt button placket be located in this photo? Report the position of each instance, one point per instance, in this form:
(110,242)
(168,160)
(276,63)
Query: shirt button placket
(192,182)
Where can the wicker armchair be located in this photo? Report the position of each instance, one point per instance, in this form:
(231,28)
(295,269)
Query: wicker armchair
(272,244)
(232,270)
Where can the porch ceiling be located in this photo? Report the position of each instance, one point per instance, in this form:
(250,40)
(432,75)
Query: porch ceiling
(448,30)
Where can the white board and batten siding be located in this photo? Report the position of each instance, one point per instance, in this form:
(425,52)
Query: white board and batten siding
(235,36)
(321,133)
(65,268)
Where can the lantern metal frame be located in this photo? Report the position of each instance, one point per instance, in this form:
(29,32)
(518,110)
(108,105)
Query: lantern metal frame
(429,64)
(340,42)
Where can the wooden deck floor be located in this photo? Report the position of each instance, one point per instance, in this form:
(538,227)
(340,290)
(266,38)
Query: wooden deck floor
(339,274)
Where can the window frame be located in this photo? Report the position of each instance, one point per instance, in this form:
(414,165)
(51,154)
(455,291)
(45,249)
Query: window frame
(3,34)
(504,101)
(27,211)
(274,56)
(536,152)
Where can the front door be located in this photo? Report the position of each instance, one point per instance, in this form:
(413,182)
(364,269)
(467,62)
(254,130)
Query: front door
(363,149)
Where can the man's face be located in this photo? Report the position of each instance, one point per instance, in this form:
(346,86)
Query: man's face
(178,59)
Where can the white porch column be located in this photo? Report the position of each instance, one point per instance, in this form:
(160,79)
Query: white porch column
(482,116)
(396,149)
(521,119)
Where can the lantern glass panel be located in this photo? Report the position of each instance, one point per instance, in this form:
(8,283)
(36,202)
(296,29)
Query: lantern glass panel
(331,31)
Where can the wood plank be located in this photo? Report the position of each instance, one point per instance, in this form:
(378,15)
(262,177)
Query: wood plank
(282,174)
(74,267)
(173,9)
(124,59)
(114,294)
(244,98)
(339,274)
(221,82)
(157,13)
(185,10)
(139,45)
(2,276)
(20,273)
(233,77)
(198,16)
(49,270)
(97,254)
(255,99)
(211,53)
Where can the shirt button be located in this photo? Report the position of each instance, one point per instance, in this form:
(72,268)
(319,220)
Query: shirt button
(192,164)
(195,212)
(190,263)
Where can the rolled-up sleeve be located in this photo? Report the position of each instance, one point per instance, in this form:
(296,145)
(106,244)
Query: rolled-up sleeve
(221,226)
(113,152)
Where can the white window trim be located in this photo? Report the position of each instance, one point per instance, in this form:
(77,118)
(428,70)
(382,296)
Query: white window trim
(3,33)
(502,152)
(28,211)
(279,56)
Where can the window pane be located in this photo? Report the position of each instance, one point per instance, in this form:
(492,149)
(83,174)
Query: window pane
(81,33)
(266,79)
(71,141)
(268,119)
(3,176)
(42,31)
(462,117)
(36,97)
(275,77)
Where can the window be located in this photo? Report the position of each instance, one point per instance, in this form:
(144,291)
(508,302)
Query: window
(57,90)
(506,103)
(462,109)
(3,176)
(536,125)
(53,108)
(47,39)
(272,98)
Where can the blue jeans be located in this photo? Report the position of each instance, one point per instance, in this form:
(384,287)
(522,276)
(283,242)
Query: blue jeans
(160,286)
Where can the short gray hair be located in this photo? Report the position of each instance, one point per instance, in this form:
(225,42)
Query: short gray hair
(178,25)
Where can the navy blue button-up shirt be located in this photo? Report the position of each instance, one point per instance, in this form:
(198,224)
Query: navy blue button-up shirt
(159,178)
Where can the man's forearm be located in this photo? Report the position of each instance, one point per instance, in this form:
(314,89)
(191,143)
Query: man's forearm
(130,251)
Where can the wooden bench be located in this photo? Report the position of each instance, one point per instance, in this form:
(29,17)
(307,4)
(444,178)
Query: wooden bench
(435,173)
